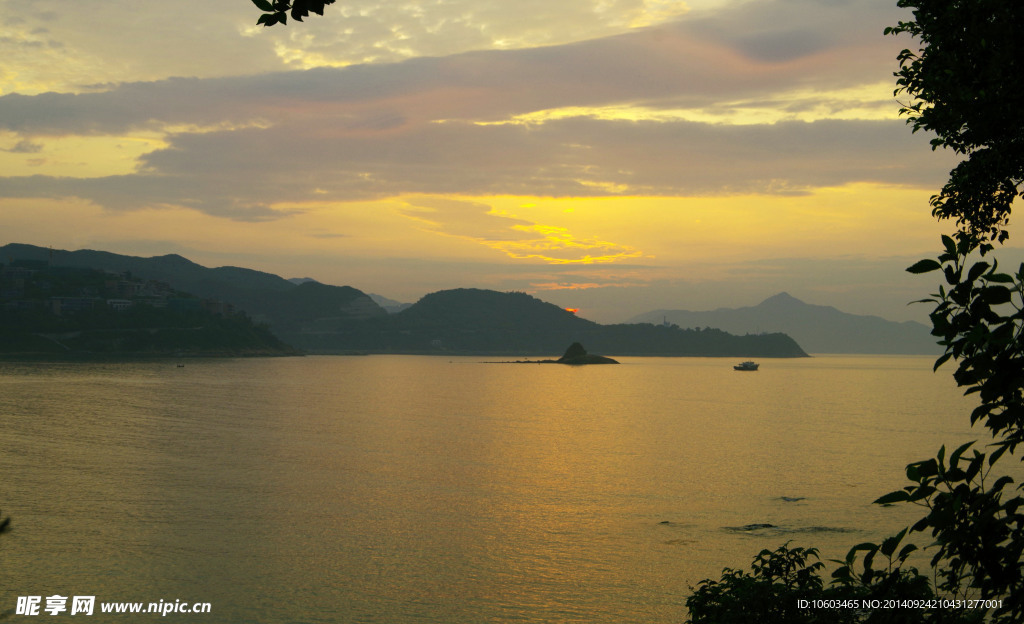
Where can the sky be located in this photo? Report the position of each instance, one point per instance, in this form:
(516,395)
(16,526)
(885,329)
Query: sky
(616,156)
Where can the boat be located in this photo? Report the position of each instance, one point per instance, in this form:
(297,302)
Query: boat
(746,366)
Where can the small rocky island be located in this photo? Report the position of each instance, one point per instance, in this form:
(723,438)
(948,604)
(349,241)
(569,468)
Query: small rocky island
(575,355)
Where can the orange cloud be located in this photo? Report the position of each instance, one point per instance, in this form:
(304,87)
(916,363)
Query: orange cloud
(556,245)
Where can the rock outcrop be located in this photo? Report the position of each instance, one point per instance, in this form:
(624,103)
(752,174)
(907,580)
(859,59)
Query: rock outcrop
(576,355)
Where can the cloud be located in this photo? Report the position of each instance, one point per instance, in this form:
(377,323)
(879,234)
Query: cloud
(65,46)
(695,62)
(60,45)
(780,31)
(24,147)
(246,173)
(465,218)
(257,147)
(369,31)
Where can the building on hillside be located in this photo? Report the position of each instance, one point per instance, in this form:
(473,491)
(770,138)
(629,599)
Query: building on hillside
(71,305)
(119,305)
(220,308)
(184,304)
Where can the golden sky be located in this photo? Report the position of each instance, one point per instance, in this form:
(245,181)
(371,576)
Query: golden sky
(615,156)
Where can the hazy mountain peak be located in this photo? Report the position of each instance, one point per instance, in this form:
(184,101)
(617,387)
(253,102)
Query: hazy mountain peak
(781,299)
(175,260)
(816,328)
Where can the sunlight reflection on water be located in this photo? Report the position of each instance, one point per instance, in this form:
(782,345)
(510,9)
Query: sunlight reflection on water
(397,489)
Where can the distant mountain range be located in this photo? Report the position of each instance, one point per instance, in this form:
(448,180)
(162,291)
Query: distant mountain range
(333,319)
(469,320)
(390,305)
(818,329)
(288,308)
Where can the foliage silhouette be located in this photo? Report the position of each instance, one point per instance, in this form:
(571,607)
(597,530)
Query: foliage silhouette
(277,12)
(784,587)
(964,86)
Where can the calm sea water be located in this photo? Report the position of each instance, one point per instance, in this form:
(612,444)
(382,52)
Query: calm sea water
(420,489)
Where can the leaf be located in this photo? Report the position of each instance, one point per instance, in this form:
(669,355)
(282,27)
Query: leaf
(955,474)
(928,468)
(866,546)
(949,244)
(1001,482)
(977,270)
(952,276)
(924,266)
(889,544)
(264,5)
(1000,278)
(996,454)
(921,493)
(955,457)
(899,496)
(906,550)
(975,466)
(995,295)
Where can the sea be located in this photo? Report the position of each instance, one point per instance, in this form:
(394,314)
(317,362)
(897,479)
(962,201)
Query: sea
(407,489)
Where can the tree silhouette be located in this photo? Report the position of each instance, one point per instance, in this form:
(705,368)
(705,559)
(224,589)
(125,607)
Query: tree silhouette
(964,86)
